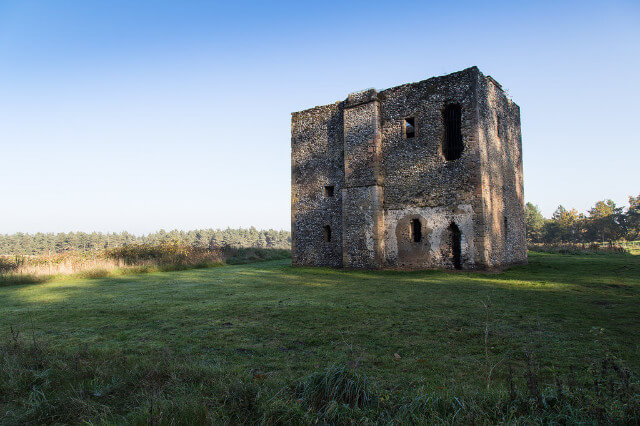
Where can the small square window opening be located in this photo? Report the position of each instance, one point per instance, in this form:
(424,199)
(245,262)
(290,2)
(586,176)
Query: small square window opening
(328,191)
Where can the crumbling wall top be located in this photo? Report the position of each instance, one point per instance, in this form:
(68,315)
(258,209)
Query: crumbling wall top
(361,97)
(368,95)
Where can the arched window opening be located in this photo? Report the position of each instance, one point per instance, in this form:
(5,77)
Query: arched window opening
(452,143)
(416,231)
(456,245)
(326,232)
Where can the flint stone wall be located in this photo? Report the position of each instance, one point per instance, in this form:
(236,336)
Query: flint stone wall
(382,180)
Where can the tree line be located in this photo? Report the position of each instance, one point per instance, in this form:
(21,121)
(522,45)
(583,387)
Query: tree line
(49,243)
(603,223)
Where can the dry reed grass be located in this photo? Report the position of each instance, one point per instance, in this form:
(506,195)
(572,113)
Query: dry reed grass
(138,258)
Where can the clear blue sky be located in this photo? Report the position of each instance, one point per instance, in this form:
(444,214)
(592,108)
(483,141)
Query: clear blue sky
(133,115)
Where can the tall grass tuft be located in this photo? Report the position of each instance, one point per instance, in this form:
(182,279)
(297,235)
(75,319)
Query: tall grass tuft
(337,384)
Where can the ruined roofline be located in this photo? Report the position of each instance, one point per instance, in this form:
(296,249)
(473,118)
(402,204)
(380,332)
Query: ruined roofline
(316,108)
(382,92)
(474,68)
(430,79)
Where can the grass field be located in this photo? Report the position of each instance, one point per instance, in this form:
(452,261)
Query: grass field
(242,343)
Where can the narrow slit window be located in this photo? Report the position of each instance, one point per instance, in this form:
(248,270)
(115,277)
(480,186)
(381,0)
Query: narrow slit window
(409,128)
(452,142)
(456,245)
(506,228)
(326,231)
(328,191)
(499,126)
(416,231)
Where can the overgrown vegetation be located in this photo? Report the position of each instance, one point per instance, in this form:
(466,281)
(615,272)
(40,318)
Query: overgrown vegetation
(632,247)
(552,342)
(128,259)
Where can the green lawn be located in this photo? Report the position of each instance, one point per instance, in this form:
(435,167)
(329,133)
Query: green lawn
(408,332)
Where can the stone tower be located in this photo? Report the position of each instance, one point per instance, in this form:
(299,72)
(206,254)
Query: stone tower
(423,175)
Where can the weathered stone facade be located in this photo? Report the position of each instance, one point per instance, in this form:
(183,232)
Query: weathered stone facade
(423,175)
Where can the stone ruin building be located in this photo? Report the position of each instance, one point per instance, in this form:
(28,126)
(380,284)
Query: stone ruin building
(423,175)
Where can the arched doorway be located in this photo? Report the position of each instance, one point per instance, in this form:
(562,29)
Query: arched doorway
(412,242)
(456,245)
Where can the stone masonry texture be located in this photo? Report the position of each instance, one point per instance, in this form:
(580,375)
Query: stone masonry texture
(371,191)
